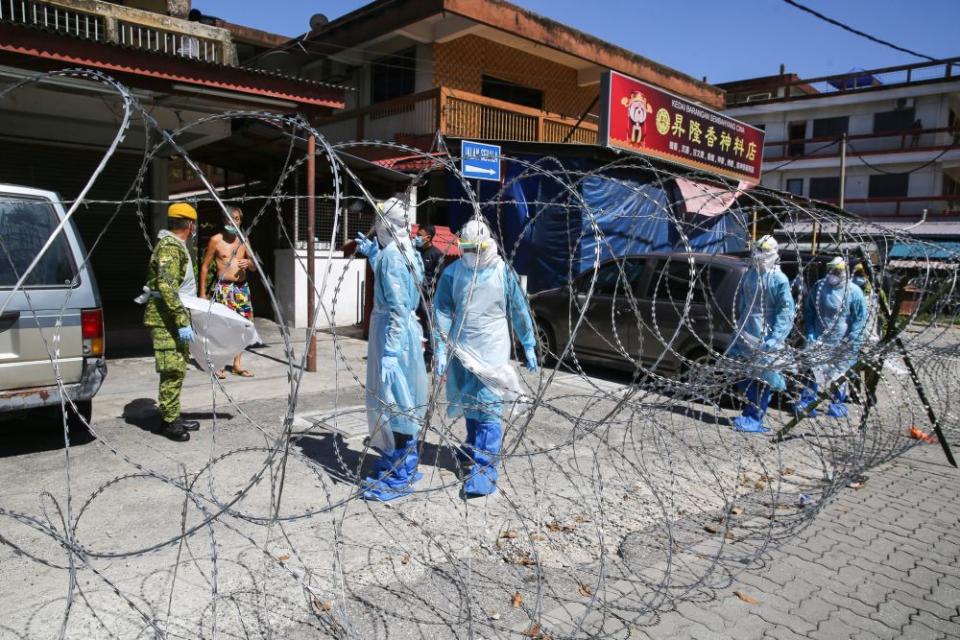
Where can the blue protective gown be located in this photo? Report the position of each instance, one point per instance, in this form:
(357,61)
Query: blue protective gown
(395,331)
(471,308)
(765,310)
(835,318)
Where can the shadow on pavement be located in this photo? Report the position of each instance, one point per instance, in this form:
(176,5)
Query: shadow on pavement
(144,413)
(37,431)
(346,465)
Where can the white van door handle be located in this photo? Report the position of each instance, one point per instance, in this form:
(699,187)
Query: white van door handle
(8,320)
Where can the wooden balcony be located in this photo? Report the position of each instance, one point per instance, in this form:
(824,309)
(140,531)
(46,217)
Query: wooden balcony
(457,114)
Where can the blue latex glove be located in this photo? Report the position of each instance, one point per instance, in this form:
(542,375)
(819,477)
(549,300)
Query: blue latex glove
(389,369)
(367,246)
(185,334)
(771,344)
(531,355)
(811,338)
(440,362)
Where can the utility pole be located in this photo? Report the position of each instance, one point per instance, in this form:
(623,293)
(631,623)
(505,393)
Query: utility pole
(311,251)
(843,169)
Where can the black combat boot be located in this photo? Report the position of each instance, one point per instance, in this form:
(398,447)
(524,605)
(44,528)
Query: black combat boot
(174,431)
(189,425)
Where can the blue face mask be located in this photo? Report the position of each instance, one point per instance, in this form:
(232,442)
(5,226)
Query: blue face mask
(232,230)
(418,241)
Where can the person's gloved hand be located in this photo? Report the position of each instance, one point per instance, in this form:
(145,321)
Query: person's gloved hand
(440,361)
(770,344)
(185,334)
(530,353)
(366,246)
(389,369)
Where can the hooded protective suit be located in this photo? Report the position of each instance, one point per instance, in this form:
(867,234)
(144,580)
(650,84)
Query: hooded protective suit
(765,310)
(396,376)
(835,316)
(474,299)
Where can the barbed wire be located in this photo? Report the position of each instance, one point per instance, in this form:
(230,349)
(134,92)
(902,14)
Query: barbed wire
(623,489)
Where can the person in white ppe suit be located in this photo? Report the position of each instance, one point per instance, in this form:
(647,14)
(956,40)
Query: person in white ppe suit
(474,299)
(765,309)
(396,384)
(835,315)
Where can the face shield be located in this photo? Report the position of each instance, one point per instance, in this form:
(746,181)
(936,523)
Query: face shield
(476,244)
(392,222)
(766,254)
(836,272)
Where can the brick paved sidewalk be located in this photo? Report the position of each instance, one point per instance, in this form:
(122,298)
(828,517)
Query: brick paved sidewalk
(882,561)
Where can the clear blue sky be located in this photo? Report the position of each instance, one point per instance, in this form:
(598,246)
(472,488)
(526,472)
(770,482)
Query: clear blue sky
(721,39)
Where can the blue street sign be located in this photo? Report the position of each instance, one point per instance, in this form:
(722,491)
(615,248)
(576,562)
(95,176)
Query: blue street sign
(479,161)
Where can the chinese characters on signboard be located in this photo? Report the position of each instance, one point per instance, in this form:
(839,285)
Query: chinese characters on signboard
(639,117)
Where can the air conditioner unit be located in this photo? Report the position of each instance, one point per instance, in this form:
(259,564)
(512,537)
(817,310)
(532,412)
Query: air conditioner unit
(904,103)
(753,97)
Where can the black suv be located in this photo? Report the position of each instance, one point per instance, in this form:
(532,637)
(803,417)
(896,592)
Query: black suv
(670,311)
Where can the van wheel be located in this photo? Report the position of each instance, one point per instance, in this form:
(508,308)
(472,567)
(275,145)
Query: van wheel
(548,345)
(75,419)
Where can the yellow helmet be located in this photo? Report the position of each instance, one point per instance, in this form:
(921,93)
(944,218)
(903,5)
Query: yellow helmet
(182,210)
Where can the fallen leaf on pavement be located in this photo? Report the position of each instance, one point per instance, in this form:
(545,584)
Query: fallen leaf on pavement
(509,534)
(322,606)
(405,559)
(712,528)
(746,598)
(736,511)
(517,600)
(283,558)
(585,591)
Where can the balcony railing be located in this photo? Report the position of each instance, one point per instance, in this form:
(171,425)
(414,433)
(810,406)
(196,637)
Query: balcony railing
(106,22)
(162,41)
(457,114)
(852,82)
(905,206)
(54,18)
(904,140)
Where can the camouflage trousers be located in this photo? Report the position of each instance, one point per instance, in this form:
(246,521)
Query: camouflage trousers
(171,357)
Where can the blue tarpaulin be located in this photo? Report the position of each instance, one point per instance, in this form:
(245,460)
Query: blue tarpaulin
(926,250)
(551,234)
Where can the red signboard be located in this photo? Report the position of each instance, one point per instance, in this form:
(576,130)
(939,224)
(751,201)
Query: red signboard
(638,117)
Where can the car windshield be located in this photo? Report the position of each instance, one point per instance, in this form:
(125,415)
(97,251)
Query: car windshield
(25,226)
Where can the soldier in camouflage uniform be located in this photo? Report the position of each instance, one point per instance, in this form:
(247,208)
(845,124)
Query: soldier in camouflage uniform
(170,272)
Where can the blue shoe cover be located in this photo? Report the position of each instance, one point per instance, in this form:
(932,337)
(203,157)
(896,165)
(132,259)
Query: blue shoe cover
(481,482)
(838,410)
(382,492)
(747,424)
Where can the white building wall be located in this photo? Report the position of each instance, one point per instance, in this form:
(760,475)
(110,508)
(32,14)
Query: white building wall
(925,168)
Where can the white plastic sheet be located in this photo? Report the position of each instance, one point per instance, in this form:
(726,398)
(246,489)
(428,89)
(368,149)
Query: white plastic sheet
(220,332)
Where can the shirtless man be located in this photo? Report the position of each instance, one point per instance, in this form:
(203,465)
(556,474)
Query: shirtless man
(230,288)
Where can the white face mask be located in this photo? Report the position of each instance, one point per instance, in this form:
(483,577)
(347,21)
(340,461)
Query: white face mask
(766,261)
(469,260)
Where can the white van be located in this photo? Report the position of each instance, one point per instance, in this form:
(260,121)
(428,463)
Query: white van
(53,324)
